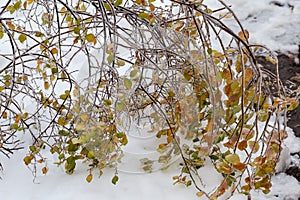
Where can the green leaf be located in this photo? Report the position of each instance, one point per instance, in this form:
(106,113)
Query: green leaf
(107,7)
(110,58)
(119,106)
(63,133)
(107,102)
(144,15)
(117,3)
(39,34)
(115,179)
(54,70)
(17,5)
(22,38)
(77,30)
(1,34)
(209,51)
(127,83)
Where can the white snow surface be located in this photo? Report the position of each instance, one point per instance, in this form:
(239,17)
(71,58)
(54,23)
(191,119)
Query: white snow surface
(277,27)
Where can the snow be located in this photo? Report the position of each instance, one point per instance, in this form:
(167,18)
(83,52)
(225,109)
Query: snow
(277,27)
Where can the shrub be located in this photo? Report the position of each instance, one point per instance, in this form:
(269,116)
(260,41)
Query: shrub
(177,71)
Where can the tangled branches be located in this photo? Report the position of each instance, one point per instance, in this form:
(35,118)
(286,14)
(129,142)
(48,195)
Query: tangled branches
(174,70)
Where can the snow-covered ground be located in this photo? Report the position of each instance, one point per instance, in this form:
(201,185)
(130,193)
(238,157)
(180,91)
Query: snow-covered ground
(275,24)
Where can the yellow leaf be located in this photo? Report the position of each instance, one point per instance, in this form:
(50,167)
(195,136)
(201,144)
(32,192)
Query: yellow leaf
(83,7)
(117,3)
(244,35)
(62,121)
(199,194)
(89,178)
(4,115)
(144,15)
(46,85)
(54,51)
(11,25)
(90,38)
(232,158)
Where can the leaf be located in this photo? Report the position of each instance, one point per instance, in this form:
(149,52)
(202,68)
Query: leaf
(117,3)
(110,58)
(232,158)
(107,102)
(63,133)
(54,51)
(209,51)
(62,121)
(44,170)
(107,6)
(91,38)
(240,166)
(22,38)
(1,33)
(254,146)
(115,179)
(293,105)
(127,83)
(121,63)
(200,194)
(17,5)
(11,25)
(89,178)
(144,15)
(244,35)
(77,30)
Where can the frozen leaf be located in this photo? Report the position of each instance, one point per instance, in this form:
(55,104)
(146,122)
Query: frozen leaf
(46,85)
(144,15)
(200,194)
(63,133)
(121,63)
(254,146)
(244,35)
(117,3)
(232,158)
(127,83)
(110,58)
(240,166)
(22,38)
(44,170)
(62,121)
(242,145)
(1,33)
(91,38)
(89,178)
(115,179)
(54,51)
